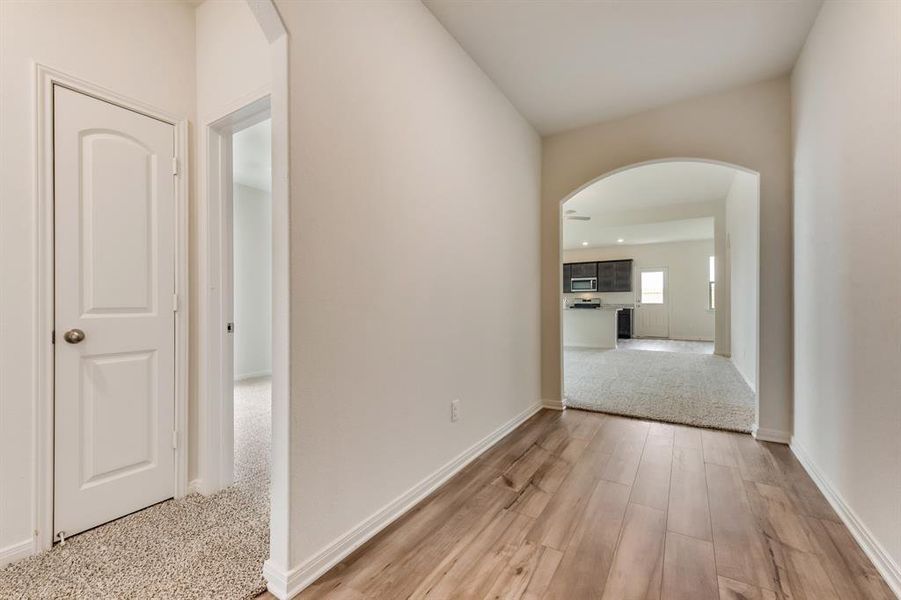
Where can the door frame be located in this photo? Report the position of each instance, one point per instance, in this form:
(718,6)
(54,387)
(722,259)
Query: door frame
(216,416)
(668,307)
(45,78)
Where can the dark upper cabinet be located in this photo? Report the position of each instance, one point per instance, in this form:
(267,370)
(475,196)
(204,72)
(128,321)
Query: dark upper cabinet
(612,275)
(622,276)
(583,270)
(606,276)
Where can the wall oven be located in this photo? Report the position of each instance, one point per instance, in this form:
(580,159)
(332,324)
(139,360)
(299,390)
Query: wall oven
(584,284)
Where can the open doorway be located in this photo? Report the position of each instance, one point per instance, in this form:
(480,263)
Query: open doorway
(660,294)
(251,323)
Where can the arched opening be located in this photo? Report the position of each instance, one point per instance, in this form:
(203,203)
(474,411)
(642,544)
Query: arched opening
(665,255)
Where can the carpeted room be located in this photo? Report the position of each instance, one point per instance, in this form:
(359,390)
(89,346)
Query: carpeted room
(659,294)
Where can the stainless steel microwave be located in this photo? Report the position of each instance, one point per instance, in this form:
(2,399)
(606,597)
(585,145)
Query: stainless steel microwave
(584,284)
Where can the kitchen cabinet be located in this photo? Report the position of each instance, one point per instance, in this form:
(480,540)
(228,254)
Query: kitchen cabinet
(606,276)
(583,270)
(622,276)
(612,275)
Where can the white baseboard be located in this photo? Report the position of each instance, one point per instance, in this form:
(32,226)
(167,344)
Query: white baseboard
(286,584)
(244,376)
(18,551)
(771,435)
(195,486)
(888,568)
(553,404)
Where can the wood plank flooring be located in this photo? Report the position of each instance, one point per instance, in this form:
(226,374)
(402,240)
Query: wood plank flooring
(579,505)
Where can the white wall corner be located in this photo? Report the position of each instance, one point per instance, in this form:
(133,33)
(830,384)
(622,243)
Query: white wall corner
(881,559)
(743,376)
(771,435)
(284,584)
(17,551)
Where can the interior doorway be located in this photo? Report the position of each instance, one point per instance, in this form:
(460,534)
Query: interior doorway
(660,293)
(239,304)
(251,319)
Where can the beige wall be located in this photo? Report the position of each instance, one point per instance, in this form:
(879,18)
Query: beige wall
(688,276)
(742,247)
(847,249)
(422,181)
(748,127)
(94,41)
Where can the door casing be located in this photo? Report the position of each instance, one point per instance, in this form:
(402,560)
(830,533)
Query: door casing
(217,346)
(45,79)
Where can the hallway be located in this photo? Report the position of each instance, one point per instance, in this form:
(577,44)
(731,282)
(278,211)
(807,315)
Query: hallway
(578,505)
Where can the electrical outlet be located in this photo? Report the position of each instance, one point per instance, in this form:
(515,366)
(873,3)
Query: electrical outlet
(455,410)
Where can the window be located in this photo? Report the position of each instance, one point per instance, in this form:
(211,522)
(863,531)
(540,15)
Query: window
(652,287)
(711,285)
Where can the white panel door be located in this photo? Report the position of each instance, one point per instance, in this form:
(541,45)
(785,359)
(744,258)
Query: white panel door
(652,308)
(114,228)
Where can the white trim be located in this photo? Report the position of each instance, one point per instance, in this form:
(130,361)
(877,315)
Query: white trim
(45,79)
(254,375)
(285,585)
(881,559)
(14,552)
(770,435)
(553,404)
(195,486)
(215,373)
(280,488)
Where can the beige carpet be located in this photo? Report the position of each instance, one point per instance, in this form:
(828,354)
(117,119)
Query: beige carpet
(690,388)
(196,547)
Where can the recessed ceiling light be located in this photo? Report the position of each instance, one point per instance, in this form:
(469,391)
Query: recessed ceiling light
(620,241)
(584,243)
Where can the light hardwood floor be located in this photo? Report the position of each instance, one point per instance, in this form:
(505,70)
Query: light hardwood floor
(580,505)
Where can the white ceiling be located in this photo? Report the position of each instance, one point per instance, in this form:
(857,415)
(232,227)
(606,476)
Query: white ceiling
(654,185)
(577,232)
(654,203)
(567,64)
(252,156)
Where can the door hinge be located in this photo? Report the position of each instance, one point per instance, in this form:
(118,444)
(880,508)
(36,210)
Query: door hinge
(53,336)
(174,440)
(174,165)
(174,302)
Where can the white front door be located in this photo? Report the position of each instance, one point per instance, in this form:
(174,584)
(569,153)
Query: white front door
(652,309)
(114,229)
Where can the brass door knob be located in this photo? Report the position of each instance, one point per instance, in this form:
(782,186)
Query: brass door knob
(74,336)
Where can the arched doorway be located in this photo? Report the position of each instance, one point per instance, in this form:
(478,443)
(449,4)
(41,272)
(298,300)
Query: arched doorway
(658,247)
